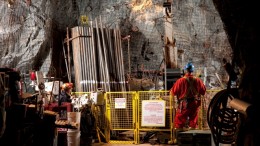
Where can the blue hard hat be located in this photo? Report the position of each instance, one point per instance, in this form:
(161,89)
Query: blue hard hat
(189,66)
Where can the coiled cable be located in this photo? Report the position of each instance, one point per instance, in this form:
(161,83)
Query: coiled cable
(223,121)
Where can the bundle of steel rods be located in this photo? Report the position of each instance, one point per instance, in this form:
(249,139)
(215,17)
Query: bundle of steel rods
(98,59)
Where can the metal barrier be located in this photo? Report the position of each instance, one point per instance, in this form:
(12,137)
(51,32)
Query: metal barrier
(129,116)
(121,110)
(153,106)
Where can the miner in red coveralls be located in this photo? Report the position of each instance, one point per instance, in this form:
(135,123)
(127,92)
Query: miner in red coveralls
(187,91)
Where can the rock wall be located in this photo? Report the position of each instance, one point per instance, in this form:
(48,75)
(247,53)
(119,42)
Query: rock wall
(32,33)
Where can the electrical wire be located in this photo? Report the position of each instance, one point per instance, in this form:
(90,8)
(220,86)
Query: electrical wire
(223,120)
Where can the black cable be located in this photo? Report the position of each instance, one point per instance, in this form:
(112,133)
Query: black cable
(222,120)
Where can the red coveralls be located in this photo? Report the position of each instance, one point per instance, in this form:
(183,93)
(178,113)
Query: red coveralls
(187,90)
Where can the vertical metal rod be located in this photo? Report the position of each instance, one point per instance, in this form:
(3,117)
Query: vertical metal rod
(68,47)
(117,59)
(85,72)
(65,58)
(84,63)
(93,58)
(91,61)
(111,61)
(100,58)
(105,57)
(129,55)
(88,61)
(122,61)
(81,60)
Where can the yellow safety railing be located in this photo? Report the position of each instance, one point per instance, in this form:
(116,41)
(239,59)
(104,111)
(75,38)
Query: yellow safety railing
(121,115)
(126,120)
(153,106)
